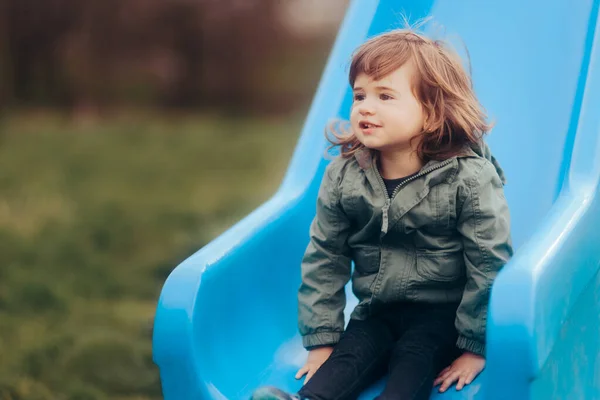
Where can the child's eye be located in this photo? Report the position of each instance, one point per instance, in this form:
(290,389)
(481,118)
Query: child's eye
(384,96)
(359,97)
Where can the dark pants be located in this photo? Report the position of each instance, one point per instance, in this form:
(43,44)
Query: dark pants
(411,342)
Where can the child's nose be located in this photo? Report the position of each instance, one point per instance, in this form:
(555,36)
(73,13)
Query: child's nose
(366,109)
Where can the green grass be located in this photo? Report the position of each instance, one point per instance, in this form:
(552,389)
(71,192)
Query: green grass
(93,217)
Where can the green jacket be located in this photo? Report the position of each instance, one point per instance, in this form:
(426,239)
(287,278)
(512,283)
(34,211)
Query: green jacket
(442,237)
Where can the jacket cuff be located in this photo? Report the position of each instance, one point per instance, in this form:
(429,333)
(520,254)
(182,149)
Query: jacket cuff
(321,339)
(473,346)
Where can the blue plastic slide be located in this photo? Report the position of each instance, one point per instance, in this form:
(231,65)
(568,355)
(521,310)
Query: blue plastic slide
(226,319)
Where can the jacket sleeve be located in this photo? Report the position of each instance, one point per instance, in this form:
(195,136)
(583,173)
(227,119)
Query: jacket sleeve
(484,223)
(325,268)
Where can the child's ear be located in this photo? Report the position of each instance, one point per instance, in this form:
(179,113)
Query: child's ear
(427,122)
(425,116)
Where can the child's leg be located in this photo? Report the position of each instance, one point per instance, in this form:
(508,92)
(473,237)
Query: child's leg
(422,352)
(359,359)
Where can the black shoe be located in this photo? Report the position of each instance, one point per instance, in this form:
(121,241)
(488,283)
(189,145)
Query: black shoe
(272,393)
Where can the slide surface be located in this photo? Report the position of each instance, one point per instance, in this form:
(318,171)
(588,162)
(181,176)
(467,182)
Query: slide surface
(226,317)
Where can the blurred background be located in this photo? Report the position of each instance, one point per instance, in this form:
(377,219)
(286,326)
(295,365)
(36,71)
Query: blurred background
(132,132)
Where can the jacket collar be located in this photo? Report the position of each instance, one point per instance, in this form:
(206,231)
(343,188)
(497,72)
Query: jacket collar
(367,158)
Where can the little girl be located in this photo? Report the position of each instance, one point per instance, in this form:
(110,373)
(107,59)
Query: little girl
(416,202)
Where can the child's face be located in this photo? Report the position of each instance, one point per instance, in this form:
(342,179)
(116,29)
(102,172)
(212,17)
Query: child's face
(385,114)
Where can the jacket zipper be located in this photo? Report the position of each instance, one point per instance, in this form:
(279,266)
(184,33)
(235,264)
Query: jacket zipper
(388,202)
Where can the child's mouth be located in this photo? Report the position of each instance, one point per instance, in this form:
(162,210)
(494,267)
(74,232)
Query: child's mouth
(368,125)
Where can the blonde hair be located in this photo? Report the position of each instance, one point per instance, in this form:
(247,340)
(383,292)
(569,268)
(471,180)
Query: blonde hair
(454,117)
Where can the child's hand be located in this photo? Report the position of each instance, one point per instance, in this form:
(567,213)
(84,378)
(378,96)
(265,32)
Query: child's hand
(464,369)
(316,358)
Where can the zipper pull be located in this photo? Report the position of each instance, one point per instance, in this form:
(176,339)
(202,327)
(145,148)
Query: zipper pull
(385,217)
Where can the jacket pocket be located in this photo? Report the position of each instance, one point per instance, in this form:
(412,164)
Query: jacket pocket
(440,267)
(366,260)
